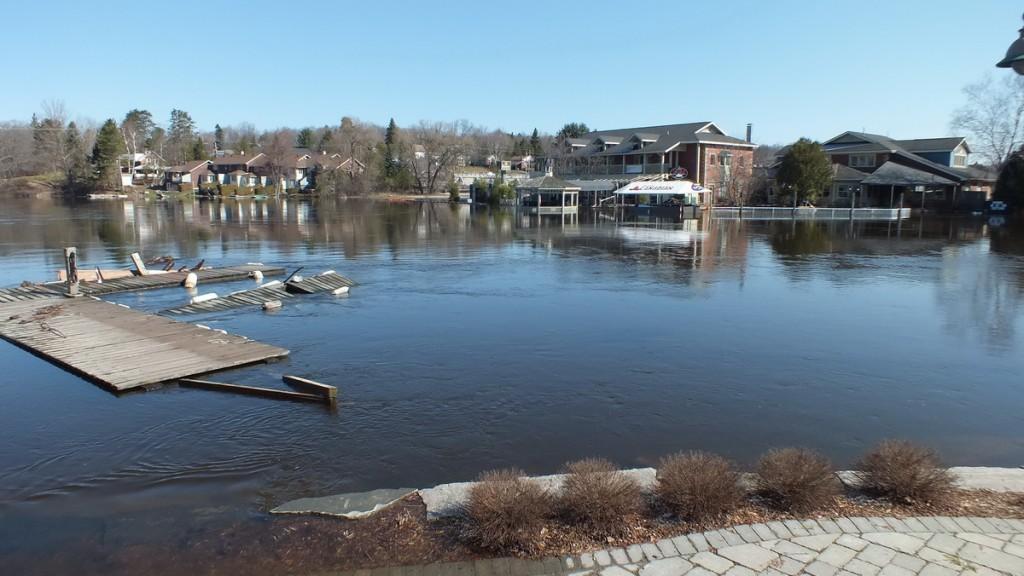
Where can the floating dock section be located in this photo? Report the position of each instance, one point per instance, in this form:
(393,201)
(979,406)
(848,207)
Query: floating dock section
(327,282)
(154,281)
(121,348)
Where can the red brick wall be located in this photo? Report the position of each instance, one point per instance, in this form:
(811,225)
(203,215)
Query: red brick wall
(742,163)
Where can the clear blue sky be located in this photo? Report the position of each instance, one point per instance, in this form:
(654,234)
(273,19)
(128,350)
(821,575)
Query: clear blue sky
(793,68)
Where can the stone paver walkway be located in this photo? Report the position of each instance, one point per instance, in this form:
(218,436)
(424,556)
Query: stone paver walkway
(921,546)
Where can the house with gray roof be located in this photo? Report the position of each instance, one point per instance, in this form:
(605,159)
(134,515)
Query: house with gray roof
(698,151)
(871,170)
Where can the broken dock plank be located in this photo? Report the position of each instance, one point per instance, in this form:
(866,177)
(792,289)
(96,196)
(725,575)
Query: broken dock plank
(272,291)
(121,348)
(323,390)
(170,279)
(251,390)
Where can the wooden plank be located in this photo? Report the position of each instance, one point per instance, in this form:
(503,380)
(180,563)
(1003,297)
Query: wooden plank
(122,348)
(326,282)
(251,390)
(324,390)
(140,266)
(170,279)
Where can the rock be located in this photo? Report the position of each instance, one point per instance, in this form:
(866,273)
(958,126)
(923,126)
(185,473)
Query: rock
(355,505)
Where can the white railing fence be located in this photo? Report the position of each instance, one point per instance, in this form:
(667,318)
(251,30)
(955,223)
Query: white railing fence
(804,213)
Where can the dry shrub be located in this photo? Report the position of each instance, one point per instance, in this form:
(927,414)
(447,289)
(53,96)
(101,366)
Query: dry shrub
(598,495)
(698,485)
(904,473)
(506,512)
(797,479)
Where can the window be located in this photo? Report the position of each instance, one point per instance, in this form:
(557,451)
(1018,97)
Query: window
(862,160)
(725,159)
(960,160)
(712,160)
(844,191)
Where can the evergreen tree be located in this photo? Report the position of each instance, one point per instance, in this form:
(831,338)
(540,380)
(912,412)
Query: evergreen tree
(156,140)
(391,134)
(326,137)
(1010,186)
(573,130)
(198,150)
(535,146)
(180,136)
(305,138)
(805,171)
(391,164)
(76,170)
(104,156)
(218,137)
(137,126)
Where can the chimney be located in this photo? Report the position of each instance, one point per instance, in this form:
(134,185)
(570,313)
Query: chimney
(750,129)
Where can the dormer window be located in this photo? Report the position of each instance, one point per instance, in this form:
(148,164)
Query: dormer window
(960,160)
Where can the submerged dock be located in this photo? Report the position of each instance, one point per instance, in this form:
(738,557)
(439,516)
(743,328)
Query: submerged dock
(121,348)
(326,282)
(135,283)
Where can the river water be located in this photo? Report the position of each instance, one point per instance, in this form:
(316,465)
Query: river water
(479,339)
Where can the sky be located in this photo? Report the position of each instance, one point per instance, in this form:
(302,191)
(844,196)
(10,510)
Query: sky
(811,68)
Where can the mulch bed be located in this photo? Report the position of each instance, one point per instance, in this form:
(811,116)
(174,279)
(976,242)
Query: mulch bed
(401,534)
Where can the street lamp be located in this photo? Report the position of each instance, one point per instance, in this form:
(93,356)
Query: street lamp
(1015,55)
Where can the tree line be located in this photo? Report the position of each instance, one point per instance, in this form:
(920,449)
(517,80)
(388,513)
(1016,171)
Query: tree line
(85,156)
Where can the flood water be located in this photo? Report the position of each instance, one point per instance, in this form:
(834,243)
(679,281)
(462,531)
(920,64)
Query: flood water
(479,339)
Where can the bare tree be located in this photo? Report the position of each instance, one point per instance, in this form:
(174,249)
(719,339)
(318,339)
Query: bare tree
(277,145)
(766,154)
(431,153)
(16,158)
(48,135)
(994,117)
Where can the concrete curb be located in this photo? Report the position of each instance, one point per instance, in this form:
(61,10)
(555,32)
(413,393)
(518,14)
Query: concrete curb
(444,500)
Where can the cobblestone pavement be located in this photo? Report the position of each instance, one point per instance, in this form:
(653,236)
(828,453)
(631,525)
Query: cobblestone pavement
(921,546)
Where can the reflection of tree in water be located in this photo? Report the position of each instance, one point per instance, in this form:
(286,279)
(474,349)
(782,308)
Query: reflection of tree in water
(795,238)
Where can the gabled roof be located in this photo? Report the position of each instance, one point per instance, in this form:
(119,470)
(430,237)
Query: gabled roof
(189,166)
(893,174)
(661,138)
(946,144)
(237,159)
(546,183)
(856,142)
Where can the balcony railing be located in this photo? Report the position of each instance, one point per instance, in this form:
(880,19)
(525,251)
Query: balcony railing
(615,169)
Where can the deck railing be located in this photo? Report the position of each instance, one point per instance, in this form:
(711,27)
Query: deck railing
(803,213)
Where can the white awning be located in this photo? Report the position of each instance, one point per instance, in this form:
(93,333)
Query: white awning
(661,188)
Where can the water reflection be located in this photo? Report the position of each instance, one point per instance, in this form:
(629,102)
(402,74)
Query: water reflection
(484,338)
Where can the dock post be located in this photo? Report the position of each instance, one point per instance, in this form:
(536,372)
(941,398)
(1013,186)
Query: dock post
(71,271)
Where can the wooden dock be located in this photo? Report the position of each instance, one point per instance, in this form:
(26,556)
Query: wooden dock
(135,283)
(153,281)
(121,348)
(326,282)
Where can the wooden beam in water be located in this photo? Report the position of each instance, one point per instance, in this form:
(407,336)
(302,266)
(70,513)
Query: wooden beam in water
(325,391)
(252,390)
